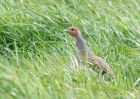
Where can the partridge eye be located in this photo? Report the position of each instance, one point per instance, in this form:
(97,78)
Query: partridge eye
(72,29)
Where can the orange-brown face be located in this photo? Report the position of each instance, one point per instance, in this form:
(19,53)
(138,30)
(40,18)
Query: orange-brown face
(73,31)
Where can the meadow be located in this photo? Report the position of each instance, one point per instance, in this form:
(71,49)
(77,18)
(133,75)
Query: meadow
(37,58)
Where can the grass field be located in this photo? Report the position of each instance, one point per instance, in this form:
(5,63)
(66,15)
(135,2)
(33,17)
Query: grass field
(37,58)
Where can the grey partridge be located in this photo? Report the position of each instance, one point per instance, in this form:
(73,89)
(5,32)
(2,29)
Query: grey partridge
(84,52)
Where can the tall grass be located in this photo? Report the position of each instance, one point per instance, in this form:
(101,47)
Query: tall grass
(37,58)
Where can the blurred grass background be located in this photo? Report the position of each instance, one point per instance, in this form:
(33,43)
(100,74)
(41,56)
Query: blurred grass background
(37,58)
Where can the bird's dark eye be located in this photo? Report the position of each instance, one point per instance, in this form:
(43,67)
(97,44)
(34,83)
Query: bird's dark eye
(72,29)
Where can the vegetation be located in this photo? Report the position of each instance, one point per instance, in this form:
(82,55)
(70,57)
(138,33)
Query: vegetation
(37,58)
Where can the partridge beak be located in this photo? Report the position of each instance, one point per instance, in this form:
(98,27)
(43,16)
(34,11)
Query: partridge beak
(65,30)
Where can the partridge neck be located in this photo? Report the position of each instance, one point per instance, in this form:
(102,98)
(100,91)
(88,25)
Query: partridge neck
(79,38)
(80,43)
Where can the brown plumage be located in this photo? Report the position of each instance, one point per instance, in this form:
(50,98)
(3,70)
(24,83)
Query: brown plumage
(84,52)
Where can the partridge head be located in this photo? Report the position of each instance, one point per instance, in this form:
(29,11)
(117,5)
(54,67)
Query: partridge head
(73,31)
